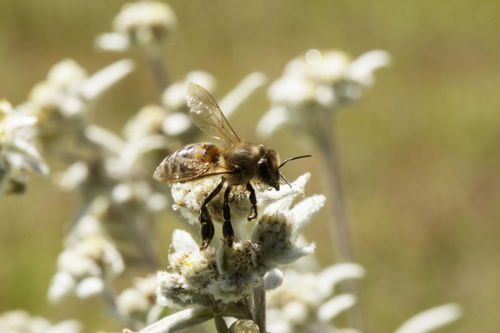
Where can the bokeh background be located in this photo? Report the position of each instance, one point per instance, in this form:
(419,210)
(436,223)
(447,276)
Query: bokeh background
(419,153)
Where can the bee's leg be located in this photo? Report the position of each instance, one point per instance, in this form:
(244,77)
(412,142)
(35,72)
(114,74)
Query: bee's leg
(227,228)
(253,202)
(207,226)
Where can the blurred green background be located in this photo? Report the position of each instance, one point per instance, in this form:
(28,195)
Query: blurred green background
(419,154)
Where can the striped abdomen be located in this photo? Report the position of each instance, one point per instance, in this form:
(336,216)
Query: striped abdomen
(190,162)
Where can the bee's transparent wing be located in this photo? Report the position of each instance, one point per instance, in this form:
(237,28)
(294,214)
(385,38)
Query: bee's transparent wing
(206,114)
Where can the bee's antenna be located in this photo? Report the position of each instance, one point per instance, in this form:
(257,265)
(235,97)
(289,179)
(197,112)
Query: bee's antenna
(286,180)
(291,159)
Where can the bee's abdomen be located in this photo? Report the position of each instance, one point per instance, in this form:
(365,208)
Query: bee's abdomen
(189,162)
(202,152)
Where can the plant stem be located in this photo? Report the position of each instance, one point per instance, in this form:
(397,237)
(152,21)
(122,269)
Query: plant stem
(339,224)
(220,324)
(179,321)
(259,308)
(143,238)
(157,65)
(110,300)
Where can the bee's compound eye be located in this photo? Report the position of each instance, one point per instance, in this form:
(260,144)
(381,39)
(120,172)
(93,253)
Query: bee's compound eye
(264,170)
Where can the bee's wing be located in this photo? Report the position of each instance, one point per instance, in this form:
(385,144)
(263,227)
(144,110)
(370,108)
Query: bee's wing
(206,114)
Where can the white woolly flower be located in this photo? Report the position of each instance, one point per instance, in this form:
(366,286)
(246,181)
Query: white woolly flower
(229,275)
(305,301)
(84,268)
(188,198)
(20,321)
(141,22)
(18,154)
(139,301)
(318,82)
(60,103)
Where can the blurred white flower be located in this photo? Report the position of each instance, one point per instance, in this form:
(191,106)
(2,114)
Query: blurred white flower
(139,301)
(18,154)
(60,103)
(85,267)
(141,22)
(318,82)
(306,301)
(229,275)
(431,319)
(20,321)
(235,97)
(176,124)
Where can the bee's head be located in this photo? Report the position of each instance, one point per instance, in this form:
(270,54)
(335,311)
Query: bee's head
(268,167)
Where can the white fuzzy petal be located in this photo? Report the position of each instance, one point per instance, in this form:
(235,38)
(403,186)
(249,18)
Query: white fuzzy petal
(183,242)
(304,211)
(114,42)
(339,272)
(283,199)
(104,138)
(362,68)
(333,307)
(73,176)
(106,78)
(297,253)
(61,286)
(431,319)
(176,123)
(241,92)
(89,287)
(67,326)
(275,118)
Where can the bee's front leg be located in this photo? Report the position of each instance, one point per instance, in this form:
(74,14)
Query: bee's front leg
(207,226)
(253,202)
(227,228)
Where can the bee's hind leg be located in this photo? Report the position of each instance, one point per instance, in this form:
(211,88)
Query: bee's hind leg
(207,226)
(227,228)
(253,202)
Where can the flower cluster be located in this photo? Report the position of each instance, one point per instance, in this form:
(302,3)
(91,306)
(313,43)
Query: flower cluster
(138,23)
(304,302)
(139,301)
(228,276)
(18,153)
(21,321)
(61,102)
(318,82)
(89,262)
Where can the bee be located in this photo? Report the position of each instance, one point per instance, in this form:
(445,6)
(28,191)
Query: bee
(235,161)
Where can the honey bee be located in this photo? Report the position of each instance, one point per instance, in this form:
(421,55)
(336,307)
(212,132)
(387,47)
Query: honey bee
(235,161)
